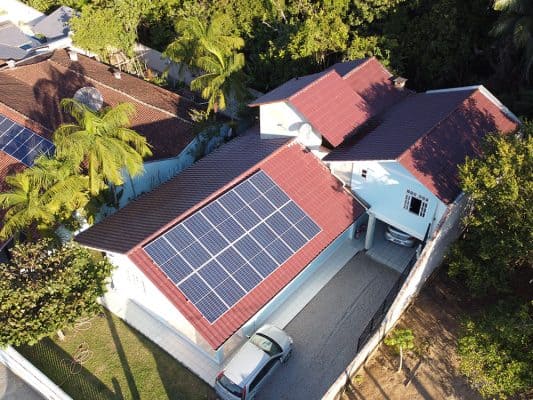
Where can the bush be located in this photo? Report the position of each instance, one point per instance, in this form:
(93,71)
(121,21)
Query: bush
(495,351)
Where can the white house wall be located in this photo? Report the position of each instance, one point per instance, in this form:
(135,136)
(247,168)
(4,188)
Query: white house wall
(129,284)
(385,187)
(279,119)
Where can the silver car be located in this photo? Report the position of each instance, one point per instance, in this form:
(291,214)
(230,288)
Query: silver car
(399,237)
(253,363)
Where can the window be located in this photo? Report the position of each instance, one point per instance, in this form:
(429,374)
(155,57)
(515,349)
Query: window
(416,203)
(266,369)
(363,173)
(266,344)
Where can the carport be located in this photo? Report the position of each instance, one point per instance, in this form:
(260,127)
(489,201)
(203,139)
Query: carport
(327,329)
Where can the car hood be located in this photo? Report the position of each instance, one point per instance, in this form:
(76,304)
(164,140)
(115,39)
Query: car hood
(279,336)
(247,359)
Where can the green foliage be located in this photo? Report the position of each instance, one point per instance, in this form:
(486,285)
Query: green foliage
(495,351)
(516,21)
(400,339)
(38,197)
(45,288)
(101,142)
(499,237)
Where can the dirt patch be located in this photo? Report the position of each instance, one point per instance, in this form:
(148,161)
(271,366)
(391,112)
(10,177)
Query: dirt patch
(431,371)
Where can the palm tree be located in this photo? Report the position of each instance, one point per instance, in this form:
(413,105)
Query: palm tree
(101,143)
(516,20)
(41,195)
(223,78)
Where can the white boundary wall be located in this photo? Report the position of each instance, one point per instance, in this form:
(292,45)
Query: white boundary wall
(431,257)
(13,360)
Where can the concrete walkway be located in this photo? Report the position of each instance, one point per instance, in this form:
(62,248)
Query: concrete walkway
(14,388)
(325,332)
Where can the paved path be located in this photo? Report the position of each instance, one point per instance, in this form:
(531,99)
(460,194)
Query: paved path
(14,388)
(325,332)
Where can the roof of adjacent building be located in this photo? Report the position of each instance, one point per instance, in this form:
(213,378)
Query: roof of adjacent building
(340,99)
(36,89)
(294,169)
(430,134)
(14,44)
(55,25)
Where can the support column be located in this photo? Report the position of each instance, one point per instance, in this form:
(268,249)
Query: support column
(219,355)
(371,225)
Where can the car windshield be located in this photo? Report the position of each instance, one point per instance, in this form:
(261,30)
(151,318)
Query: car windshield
(266,344)
(230,386)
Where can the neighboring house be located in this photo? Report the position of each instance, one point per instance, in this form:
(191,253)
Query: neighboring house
(27,33)
(30,96)
(212,252)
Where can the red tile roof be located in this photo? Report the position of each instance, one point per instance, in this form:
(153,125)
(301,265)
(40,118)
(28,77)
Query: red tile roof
(339,100)
(433,159)
(298,172)
(430,134)
(35,90)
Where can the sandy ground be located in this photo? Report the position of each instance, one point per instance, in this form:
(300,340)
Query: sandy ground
(431,370)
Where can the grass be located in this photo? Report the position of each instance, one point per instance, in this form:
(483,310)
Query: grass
(115,362)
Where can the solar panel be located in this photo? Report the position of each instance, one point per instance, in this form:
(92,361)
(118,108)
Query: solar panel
(223,251)
(21,143)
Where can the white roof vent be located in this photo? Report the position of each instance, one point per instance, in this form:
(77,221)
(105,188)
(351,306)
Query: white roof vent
(73,55)
(91,97)
(308,137)
(11,63)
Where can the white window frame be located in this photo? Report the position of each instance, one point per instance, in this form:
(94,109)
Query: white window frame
(409,196)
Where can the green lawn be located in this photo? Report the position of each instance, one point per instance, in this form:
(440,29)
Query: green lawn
(116,362)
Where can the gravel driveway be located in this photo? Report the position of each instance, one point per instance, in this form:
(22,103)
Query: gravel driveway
(325,332)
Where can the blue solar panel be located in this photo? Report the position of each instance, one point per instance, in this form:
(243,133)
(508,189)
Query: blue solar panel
(176,268)
(228,247)
(198,224)
(196,255)
(263,264)
(262,207)
(247,218)
(194,288)
(308,228)
(211,307)
(278,223)
(294,239)
(247,246)
(229,291)
(160,251)
(21,143)
(179,237)
(213,273)
(280,251)
(247,277)
(215,213)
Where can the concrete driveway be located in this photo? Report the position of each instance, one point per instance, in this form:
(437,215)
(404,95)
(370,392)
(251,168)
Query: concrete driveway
(325,332)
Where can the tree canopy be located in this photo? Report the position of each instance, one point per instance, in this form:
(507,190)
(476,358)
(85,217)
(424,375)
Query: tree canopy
(44,288)
(498,238)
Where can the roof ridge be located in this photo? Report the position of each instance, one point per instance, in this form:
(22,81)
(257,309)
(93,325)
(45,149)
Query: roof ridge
(313,83)
(51,60)
(439,122)
(211,197)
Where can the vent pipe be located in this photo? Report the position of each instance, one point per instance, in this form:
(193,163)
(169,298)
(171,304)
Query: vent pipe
(73,55)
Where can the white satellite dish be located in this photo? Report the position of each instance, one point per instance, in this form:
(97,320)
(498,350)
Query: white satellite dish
(308,137)
(90,96)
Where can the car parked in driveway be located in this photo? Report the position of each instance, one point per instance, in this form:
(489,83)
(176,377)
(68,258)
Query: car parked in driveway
(254,362)
(399,237)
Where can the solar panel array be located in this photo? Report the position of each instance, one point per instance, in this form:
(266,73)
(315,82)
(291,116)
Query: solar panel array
(221,252)
(21,143)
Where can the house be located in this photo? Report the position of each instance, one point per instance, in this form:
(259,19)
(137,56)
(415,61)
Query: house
(208,256)
(30,96)
(26,33)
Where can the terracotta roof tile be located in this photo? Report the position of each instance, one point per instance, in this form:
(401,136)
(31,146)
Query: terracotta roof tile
(35,90)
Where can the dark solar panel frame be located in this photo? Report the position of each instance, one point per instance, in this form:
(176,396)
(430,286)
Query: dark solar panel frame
(21,143)
(223,251)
